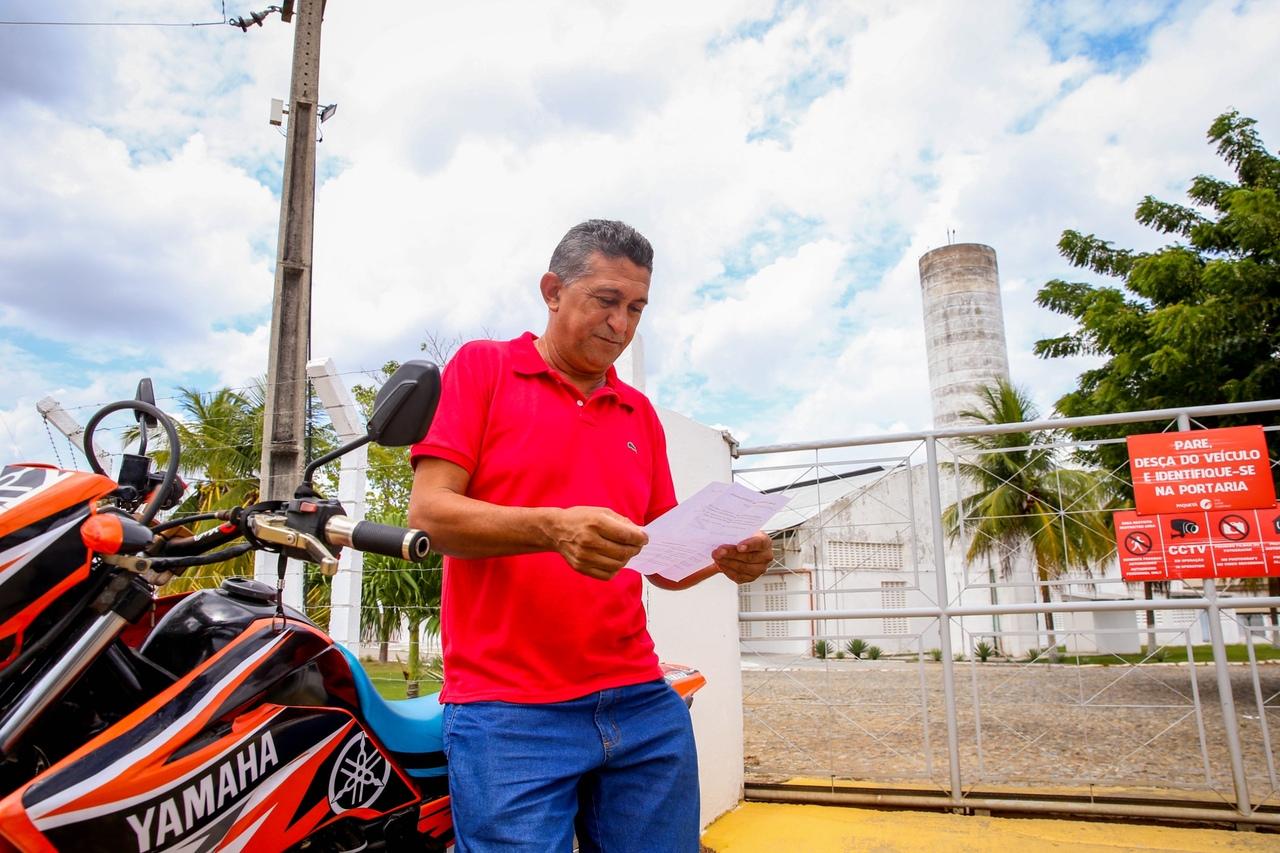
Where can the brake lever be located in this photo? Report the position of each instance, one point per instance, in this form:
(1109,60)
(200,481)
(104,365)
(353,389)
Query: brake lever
(274,530)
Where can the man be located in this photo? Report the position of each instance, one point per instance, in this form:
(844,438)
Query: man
(535,479)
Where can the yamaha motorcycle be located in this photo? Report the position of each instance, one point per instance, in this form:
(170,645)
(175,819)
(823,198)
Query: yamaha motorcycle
(215,720)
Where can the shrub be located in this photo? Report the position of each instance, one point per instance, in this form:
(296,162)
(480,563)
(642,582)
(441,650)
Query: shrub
(856,647)
(873,653)
(839,655)
(1033,655)
(821,649)
(935,654)
(959,656)
(983,650)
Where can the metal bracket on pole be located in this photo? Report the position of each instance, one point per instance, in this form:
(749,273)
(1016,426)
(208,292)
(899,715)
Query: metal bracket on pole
(344,610)
(52,411)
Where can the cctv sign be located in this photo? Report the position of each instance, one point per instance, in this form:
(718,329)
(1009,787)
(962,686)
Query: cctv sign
(1202,470)
(1220,544)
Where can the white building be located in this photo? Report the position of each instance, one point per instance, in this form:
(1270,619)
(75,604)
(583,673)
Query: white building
(860,537)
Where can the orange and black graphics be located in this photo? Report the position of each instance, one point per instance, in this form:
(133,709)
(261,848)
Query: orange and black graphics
(233,756)
(41,553)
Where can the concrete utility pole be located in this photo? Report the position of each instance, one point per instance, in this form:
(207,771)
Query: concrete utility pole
(284,424)
(285,419)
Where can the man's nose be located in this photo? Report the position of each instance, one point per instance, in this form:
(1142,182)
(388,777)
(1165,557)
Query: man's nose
(618,321)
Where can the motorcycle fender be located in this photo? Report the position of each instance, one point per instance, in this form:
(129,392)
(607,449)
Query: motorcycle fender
(208,765)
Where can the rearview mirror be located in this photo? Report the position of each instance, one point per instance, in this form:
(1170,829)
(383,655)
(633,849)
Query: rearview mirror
(405,405)
(145,394)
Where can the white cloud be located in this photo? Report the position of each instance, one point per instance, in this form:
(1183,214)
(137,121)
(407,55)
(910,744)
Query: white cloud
(789,162)
(103,251)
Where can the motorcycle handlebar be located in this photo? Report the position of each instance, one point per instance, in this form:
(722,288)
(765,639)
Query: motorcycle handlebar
(403,543)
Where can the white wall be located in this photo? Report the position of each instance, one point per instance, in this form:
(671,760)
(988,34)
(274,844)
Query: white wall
(699,627)
(894,507)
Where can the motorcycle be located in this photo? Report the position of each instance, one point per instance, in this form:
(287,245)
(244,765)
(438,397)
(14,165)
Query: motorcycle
(219,719)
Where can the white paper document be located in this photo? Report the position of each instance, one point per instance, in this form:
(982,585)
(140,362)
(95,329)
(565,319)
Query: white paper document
(681,540)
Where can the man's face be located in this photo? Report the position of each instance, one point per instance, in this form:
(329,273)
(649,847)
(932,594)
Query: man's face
(594,318)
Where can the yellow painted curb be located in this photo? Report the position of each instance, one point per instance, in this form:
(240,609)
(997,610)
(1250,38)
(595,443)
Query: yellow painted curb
(772,827)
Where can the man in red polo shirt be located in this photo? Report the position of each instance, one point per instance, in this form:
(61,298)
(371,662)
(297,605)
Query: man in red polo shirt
(535,480)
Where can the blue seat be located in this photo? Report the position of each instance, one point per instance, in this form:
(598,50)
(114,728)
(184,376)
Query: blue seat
(412,728)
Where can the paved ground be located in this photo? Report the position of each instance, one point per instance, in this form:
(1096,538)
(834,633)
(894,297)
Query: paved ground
(1021,725)
(773,828)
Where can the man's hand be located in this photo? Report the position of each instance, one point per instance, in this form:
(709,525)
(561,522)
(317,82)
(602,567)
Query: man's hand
(597,541)
(746,561)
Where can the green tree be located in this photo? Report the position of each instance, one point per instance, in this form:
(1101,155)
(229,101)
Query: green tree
(1020,496)
(396,593)
(220,435)
(1194,323)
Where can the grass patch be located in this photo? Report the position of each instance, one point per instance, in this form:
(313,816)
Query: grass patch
(388,678)
(1236,653)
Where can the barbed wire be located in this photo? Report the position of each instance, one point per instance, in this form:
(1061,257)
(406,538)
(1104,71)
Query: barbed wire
(374,374)
(371,373)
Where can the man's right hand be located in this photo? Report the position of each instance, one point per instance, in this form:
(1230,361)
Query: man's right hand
(597,541)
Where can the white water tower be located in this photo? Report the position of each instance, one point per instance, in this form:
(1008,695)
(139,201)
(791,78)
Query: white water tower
(963,327)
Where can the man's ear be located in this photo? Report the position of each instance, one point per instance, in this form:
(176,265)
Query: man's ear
(551,285)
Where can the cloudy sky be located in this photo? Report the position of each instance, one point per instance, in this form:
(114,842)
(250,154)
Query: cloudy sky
(790,162)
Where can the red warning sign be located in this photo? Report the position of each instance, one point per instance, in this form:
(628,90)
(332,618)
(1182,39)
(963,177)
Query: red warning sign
(1221,544)
(1140,547)
(1269,532)
(1206,470)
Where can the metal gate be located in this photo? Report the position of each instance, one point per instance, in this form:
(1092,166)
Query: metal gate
(888,660)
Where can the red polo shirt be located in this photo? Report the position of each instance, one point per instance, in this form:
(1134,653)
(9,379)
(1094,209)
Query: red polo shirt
(529,628)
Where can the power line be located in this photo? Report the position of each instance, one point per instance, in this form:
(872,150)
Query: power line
(111,24)
(254,18)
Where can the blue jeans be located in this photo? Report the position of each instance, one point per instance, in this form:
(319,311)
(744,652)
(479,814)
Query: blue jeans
(619,766)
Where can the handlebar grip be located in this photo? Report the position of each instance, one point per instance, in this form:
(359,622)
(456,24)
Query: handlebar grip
(402,543)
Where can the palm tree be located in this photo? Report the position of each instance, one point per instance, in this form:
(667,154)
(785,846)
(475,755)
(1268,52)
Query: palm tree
(397,592)
(1022,497)
(220,433)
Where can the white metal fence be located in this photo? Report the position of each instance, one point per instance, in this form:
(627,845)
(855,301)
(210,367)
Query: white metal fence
(1112,712)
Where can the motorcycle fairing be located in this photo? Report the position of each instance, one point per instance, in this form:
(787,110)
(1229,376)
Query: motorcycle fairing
(30,581)
(412,729)
(435,819)
(212,762)
(41,554)
(29,493)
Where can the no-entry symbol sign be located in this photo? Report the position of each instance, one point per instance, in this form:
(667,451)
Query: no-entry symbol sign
(1137,543)
(1233,527)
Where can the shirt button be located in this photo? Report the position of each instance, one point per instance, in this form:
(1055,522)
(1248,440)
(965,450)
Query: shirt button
(579,402)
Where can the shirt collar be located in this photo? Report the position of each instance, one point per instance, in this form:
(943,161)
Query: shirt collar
(526,361)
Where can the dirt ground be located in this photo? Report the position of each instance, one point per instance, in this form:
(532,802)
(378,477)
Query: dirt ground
(1018,724)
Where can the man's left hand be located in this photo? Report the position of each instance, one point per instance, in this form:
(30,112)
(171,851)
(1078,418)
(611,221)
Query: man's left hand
(746,561)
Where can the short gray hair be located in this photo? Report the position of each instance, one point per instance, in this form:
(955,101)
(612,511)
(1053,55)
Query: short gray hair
(572,258)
